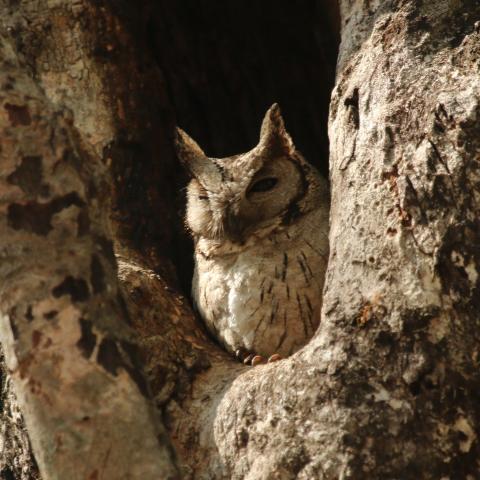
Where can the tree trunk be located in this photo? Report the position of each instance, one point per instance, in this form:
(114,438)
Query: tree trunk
(63,325)
(387,388)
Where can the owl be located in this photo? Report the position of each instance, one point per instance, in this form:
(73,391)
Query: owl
(259,221)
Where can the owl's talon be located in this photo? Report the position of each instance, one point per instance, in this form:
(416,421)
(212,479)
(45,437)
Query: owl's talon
(248,359)
(241,354)
(274,358)
(257,360)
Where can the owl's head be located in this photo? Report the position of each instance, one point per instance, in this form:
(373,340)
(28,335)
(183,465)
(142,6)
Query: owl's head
(250,194)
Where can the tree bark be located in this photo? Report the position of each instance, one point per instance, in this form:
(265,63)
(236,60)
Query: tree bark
(387,388)
(403,279)
(68,348)
(91,58)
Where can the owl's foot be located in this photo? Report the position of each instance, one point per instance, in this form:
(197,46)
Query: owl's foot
(244,355)
(274,358)
(249,358)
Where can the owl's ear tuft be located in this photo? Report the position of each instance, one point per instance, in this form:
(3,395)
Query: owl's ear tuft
(195,161)
(186,147)
(273,135)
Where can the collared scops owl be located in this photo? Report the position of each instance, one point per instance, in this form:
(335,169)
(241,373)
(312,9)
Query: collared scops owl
(260,226)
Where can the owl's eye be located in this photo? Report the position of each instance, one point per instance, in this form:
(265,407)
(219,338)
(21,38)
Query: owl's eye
(203,197)
(263,185)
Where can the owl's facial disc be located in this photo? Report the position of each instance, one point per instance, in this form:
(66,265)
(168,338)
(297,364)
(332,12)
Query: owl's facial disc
(247,195)
(255,200)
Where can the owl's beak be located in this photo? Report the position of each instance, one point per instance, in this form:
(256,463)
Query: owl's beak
(234,228)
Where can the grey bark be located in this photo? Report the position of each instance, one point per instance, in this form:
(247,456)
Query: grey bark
(388,387)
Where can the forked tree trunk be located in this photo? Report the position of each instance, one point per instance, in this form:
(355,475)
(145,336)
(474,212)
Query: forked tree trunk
(387,388)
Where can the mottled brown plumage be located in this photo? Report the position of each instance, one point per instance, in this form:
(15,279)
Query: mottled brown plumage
(260,225)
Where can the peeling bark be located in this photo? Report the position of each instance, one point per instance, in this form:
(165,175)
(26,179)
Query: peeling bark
(69,351)
(86,56)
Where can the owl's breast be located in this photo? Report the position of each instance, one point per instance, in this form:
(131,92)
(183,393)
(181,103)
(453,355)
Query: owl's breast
(266,299)
(225,290)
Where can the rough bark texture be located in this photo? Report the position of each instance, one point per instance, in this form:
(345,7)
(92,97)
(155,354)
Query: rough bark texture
(16,458)
(84,57)
(92,57)
(388,387)
(403,282)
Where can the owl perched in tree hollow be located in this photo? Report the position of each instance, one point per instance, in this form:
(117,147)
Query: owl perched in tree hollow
(260,225)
